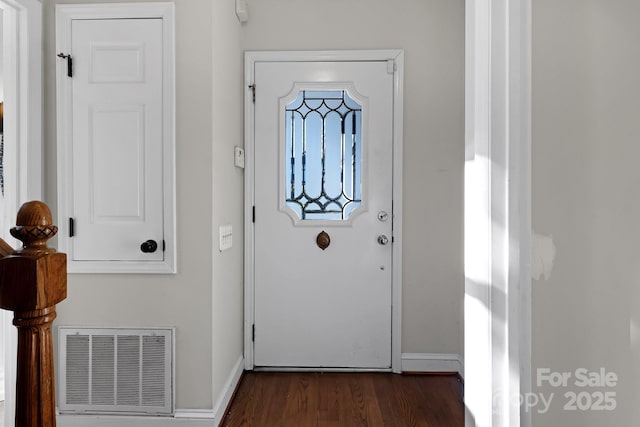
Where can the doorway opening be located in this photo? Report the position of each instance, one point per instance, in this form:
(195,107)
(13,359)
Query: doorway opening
(341,231)
(21,96)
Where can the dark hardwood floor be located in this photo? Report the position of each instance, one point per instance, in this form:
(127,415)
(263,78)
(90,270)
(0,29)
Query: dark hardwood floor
(269,399)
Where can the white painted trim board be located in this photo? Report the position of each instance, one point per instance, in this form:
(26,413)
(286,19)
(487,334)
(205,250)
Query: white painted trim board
(229,389)
(497,212)
(432,363)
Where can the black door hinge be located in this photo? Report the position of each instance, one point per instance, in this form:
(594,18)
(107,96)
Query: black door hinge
(69,63)
(253,332)
(253,92)
(72,230)
(164,246)
(253,215)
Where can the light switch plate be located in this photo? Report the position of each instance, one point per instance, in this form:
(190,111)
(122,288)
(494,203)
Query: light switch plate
(238,157)
(226,237)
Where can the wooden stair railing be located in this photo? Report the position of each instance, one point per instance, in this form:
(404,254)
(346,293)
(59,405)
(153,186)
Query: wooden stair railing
(33,280)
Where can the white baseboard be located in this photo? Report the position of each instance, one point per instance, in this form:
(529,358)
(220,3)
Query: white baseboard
(181,418)
(227,393)
(68,420)
(432,362)
(195,414)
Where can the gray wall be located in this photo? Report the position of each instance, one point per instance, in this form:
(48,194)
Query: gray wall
(586,105)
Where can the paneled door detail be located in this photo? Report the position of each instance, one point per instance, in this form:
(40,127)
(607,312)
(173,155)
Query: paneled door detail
(117,139)
(323,163)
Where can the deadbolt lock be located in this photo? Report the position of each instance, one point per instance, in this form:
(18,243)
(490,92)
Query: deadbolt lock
(383,216)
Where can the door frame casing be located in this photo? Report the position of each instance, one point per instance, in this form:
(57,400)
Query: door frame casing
(23,88)
(251,58)
(23,94)
(498,201)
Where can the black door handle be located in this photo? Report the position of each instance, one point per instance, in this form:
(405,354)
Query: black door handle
(149,246)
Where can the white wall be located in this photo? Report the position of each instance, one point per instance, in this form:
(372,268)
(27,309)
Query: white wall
(586,105)
(432,35)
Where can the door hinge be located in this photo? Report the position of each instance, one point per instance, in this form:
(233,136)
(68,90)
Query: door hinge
(253,332)
(253,215)
(253,92)
(391,66)
(72,230)
(164,246)
(69,63)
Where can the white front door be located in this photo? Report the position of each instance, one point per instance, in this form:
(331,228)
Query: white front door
(323,155)
(117,139)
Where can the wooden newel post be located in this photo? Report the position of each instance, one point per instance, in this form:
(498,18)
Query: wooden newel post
(32,281)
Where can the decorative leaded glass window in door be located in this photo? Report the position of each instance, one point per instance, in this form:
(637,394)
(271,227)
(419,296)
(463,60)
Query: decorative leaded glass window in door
(323,153)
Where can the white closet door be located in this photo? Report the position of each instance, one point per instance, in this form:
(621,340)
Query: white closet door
(117,139)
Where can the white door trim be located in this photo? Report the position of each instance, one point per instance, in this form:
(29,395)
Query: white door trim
(22,73)
(498,212)
(23,92)
(251,58)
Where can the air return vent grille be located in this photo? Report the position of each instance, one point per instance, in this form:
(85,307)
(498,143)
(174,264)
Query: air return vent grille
(120,370)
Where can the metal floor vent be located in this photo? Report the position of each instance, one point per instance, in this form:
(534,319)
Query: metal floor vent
(116,370)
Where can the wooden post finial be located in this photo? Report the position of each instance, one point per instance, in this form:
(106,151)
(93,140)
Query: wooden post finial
(34,227)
